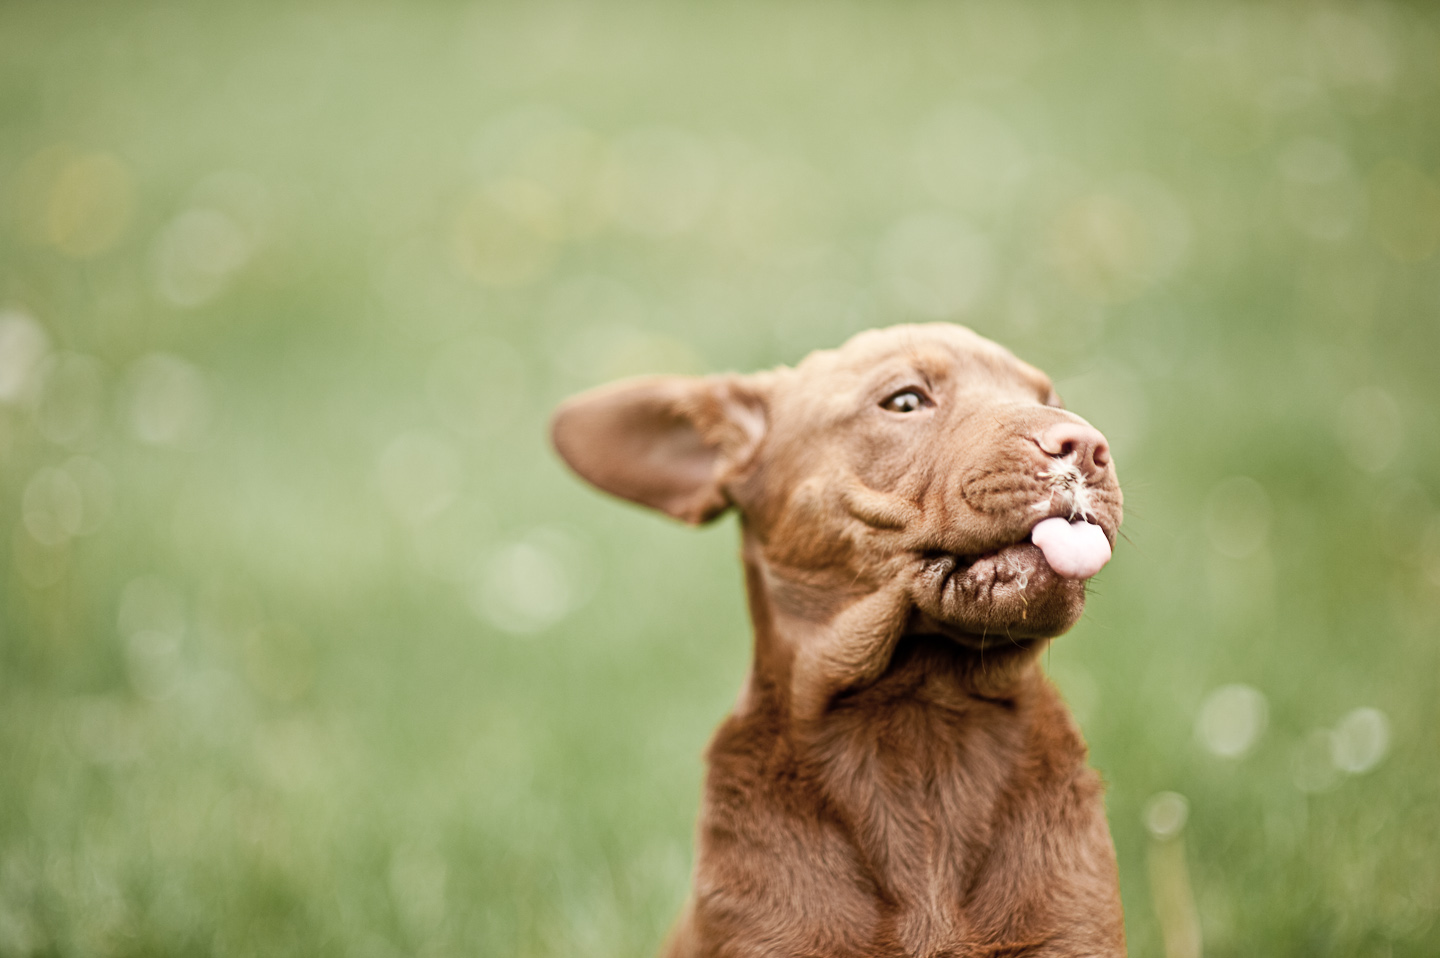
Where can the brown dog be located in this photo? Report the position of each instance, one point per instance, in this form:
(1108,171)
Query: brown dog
(898,778)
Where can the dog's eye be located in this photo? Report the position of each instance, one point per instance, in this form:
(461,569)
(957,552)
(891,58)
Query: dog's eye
(907,401)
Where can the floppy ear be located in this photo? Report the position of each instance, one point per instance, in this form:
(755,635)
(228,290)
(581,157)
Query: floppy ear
(668,442)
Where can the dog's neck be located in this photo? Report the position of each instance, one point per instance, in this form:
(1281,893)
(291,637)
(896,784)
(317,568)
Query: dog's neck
(908,741)
(816,641)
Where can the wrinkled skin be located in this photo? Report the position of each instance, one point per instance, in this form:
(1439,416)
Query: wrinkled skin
(897,777)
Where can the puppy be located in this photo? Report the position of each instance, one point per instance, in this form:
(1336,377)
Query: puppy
(918,517)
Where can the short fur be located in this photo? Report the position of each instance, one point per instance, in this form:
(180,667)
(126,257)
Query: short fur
(898,778)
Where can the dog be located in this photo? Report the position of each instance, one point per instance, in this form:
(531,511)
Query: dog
(919,516)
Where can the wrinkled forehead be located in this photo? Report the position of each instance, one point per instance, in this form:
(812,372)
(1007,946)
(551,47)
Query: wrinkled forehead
(941,354)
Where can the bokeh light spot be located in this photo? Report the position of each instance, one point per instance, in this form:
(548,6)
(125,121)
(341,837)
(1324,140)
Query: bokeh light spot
(242,197)
(53,507)
(196,254)
(1370,428)
(1360,741)
(530,585)
(1231,720)
(152,622)
(153,662)
(90,203)
(23,344)
(1165,815)
(169,401)
(524,588)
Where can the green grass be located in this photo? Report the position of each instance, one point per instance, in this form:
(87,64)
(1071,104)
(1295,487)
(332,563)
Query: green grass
(291,288)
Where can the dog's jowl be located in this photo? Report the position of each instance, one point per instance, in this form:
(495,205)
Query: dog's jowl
(919,518)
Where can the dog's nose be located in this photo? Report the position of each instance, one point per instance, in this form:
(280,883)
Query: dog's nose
(1086,443)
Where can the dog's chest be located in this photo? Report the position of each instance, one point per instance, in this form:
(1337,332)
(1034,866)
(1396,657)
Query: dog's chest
(903,824)
(916,783)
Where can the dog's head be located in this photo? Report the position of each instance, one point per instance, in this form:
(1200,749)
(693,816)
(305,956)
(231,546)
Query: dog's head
(915,462)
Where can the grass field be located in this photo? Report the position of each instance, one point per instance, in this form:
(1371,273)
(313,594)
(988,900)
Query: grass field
(309,646)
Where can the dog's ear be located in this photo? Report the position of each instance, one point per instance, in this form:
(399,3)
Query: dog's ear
(668,442)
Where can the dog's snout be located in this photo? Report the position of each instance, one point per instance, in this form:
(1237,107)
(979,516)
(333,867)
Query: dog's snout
(1086,444)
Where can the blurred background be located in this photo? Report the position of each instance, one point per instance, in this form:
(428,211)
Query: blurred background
(309,646)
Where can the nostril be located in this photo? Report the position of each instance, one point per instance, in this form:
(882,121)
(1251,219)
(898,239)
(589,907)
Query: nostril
(1086,443)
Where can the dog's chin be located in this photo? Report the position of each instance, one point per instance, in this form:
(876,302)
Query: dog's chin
(1010,595)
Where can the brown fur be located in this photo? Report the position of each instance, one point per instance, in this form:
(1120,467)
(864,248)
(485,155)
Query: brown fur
(898,778)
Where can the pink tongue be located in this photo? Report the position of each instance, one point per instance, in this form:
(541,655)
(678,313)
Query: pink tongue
(1075,550)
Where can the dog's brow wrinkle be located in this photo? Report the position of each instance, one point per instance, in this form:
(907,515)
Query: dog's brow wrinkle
(874,508)
(925,481)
